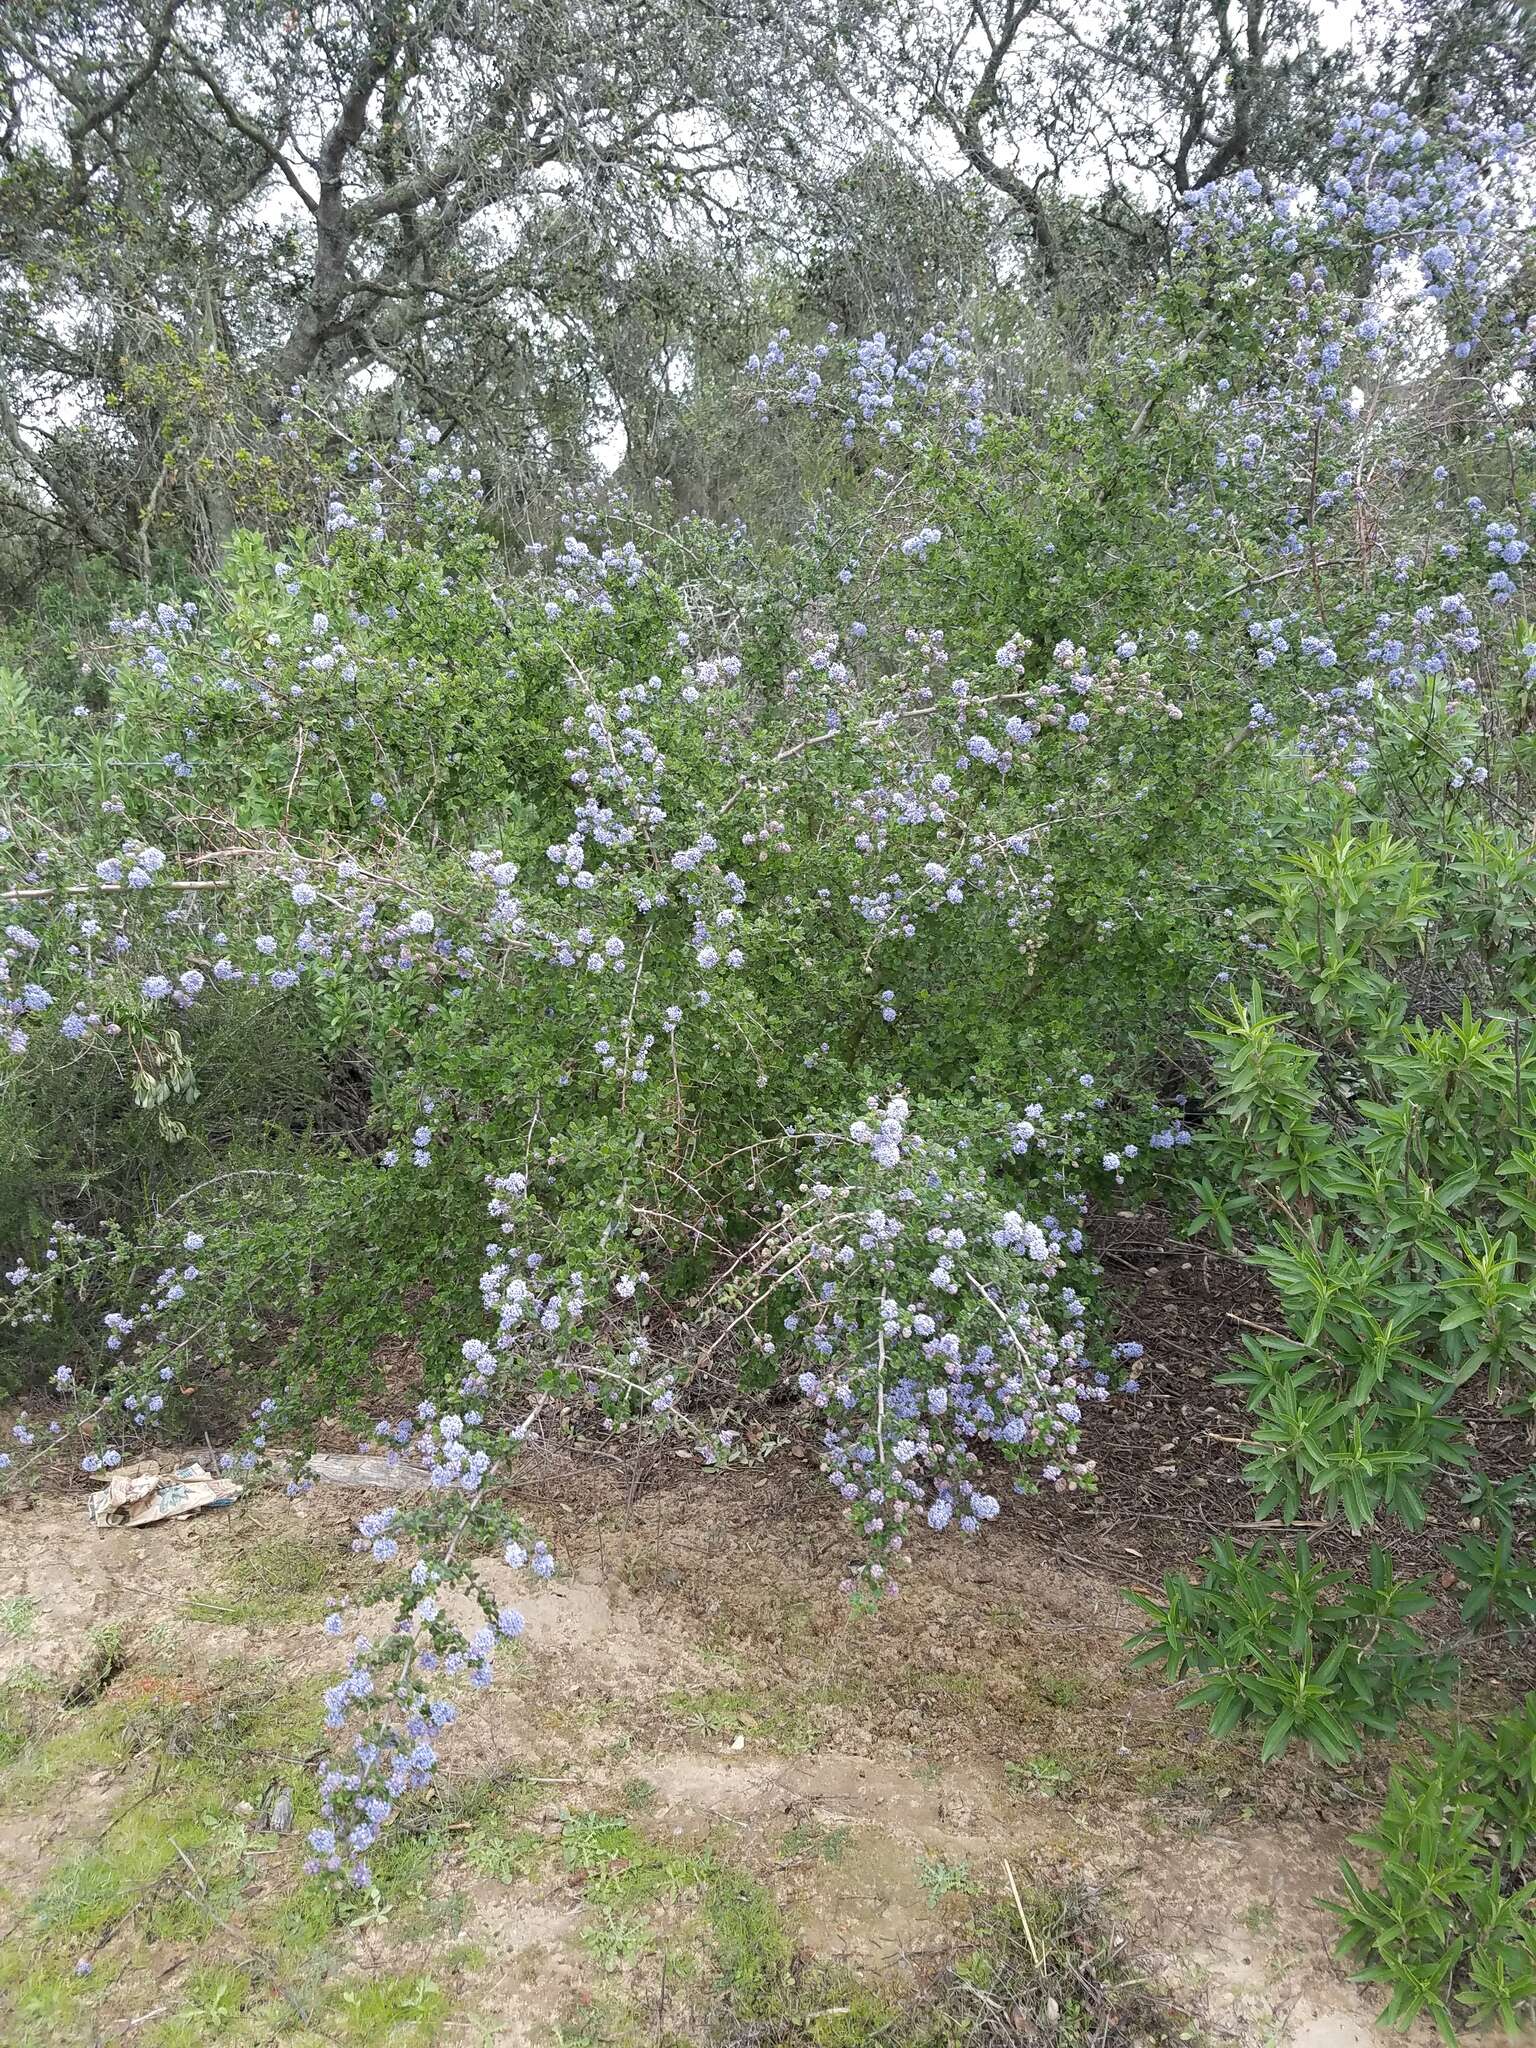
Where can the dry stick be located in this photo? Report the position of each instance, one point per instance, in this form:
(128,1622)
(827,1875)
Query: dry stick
(1200,1521)
(1101,1565)
(92,889)
(694,1230)
(629,1021)
(1000,1314)
(127,2026)
(122,1813)
(196,1873)
(1249,1324)
(1034,1947)
(1165,1250)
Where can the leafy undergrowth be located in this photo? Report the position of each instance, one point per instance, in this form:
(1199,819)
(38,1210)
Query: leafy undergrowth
(276,1577)
(173,1905)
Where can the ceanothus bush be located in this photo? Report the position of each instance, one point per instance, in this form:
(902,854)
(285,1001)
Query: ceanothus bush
(667,958)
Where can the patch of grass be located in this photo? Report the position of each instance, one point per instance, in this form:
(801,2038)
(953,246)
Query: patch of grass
(404,1866)
(624,1873)
(811,1838)
(715,1712)
(84,1899)
(18,1617)
(1159,1777)
(667,1874)
(719,1715)
(637,1795)
(1047,1777)
(176,1869)
(1059,1691)
(298,1924)
(1048,1970)
(956,1685)
(236,1734)
(470,1817)
(389,2012)
(276,1578)
(1184,1785)
(491,1852)
(604,2020)
(623,1869)
(842,2012)
(1044,1970)
(589,1842)
(576,1717)
(213,2002)
(24,1703)
(173,1864)
(494,1797)
(42,2001)
(617,1940)
(753,1954)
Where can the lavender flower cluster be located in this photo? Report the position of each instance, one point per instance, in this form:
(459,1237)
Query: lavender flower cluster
(942,1326)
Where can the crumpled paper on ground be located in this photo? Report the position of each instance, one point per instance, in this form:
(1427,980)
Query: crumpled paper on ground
(141,1494)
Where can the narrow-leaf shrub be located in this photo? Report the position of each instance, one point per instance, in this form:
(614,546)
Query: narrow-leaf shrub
(1493,1561)
(1448,1927)
(1368,1102)
(1304,1653)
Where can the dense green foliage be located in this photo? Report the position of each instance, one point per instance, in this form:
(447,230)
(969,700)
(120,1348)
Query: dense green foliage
(1302,1652)
(1448,1926)
(676,969)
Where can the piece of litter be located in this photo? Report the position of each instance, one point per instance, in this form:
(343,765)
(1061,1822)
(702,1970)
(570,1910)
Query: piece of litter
(740,1742)
(141,1494)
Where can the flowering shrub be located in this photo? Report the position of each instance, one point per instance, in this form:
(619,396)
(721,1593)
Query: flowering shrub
(783,937)
(938,1321)
(639,1016)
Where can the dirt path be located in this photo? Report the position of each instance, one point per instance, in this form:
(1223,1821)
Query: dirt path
(694,1665)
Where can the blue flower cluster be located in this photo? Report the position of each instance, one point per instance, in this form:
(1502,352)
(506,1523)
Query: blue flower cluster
(939,1324)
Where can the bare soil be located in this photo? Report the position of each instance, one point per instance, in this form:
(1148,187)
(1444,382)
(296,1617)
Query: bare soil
(695,1644)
